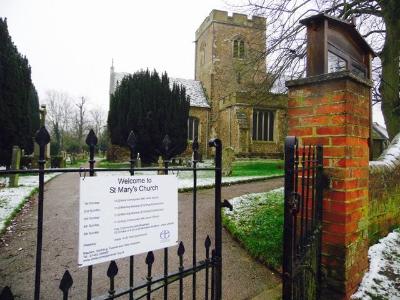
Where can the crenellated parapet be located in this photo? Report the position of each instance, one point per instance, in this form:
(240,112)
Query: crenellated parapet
(220,16)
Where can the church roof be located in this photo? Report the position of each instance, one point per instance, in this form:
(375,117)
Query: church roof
(194,89)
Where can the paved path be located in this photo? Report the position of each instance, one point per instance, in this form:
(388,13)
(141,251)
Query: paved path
(243,278)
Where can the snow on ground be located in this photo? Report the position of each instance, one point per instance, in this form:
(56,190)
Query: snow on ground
(12,198)
(382,281)
(185,178)
(244,205)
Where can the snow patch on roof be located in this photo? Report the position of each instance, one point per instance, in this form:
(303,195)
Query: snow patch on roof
(194,90)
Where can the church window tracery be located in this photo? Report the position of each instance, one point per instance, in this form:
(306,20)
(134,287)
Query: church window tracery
(263,125)
(202,54)
(193,128)
(238,48)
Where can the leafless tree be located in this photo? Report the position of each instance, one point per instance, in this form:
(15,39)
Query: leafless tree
(97,120)
(80,120)
(59,111)
(377,20)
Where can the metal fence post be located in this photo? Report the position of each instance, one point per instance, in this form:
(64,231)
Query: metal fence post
(91,141)
(319,208)
(290,143)
(218,218)
(132,147)
(42,138)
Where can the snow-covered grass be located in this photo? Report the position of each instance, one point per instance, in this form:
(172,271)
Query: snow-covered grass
(382,281)
(257,222)
(13,199)
(205,179)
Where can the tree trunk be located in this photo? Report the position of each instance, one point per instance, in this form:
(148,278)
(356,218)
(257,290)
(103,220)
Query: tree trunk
(390,82)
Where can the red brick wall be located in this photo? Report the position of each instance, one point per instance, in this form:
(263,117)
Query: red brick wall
(334,110)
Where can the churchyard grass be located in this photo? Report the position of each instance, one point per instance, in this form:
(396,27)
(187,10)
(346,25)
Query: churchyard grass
(257,223)
(78,163)
(263,167)
(107,164)
(241,168)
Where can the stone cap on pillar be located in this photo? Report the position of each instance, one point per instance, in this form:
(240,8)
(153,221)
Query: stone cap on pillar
(329,76)
(335,45)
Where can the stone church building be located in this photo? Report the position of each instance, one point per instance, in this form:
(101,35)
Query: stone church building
(228,97)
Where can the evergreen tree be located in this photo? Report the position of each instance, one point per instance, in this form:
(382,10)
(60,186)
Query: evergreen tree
(19,104)
(146,104)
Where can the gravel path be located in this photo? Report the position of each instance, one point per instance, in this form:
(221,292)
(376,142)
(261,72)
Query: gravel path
(243,278)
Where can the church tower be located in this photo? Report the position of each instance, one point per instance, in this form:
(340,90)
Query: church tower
(229,51)
(112,79)
(230,64)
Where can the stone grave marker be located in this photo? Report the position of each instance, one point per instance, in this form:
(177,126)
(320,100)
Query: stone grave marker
(228,156)
(15,161)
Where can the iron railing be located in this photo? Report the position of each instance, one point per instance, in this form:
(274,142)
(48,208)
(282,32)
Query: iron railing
(303,220)
(210,264)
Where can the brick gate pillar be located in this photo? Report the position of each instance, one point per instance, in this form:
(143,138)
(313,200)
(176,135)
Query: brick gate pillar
(334,110)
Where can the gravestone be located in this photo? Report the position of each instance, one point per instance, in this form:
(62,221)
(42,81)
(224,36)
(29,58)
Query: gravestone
(138,161)
(15,161)
(160,165)
(228,156)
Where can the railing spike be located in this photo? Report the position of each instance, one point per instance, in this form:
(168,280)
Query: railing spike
(6,294)
(112,270)
(181,249)
(66,282)
(207,242)
(195,145)
(150,258)
(42,136)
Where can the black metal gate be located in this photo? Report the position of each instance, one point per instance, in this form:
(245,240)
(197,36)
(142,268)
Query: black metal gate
(210,263)
(303,221)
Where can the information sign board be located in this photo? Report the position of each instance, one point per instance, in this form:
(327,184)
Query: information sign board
(121,216)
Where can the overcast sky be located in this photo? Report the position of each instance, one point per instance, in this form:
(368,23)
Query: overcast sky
(70,43)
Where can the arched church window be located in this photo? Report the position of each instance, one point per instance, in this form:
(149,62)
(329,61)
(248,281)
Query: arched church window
(193,128)
(238,48)
(263,125)
(202,54)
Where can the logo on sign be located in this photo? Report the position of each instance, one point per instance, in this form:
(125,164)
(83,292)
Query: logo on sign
(164,235)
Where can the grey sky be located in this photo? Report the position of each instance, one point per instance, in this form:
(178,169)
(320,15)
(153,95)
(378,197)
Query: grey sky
(70,43)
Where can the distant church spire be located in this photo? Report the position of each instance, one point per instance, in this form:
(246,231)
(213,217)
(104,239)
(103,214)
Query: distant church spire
(112,77)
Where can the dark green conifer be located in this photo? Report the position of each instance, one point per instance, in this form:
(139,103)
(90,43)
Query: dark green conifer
(145,103)
(19,104)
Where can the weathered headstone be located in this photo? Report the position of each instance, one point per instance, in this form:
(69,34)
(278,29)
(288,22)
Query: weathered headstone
(228,156)
(138,161)
(15,161)
(160,165)
(73,158)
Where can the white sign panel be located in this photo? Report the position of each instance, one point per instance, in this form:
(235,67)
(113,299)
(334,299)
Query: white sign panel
(121,216)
